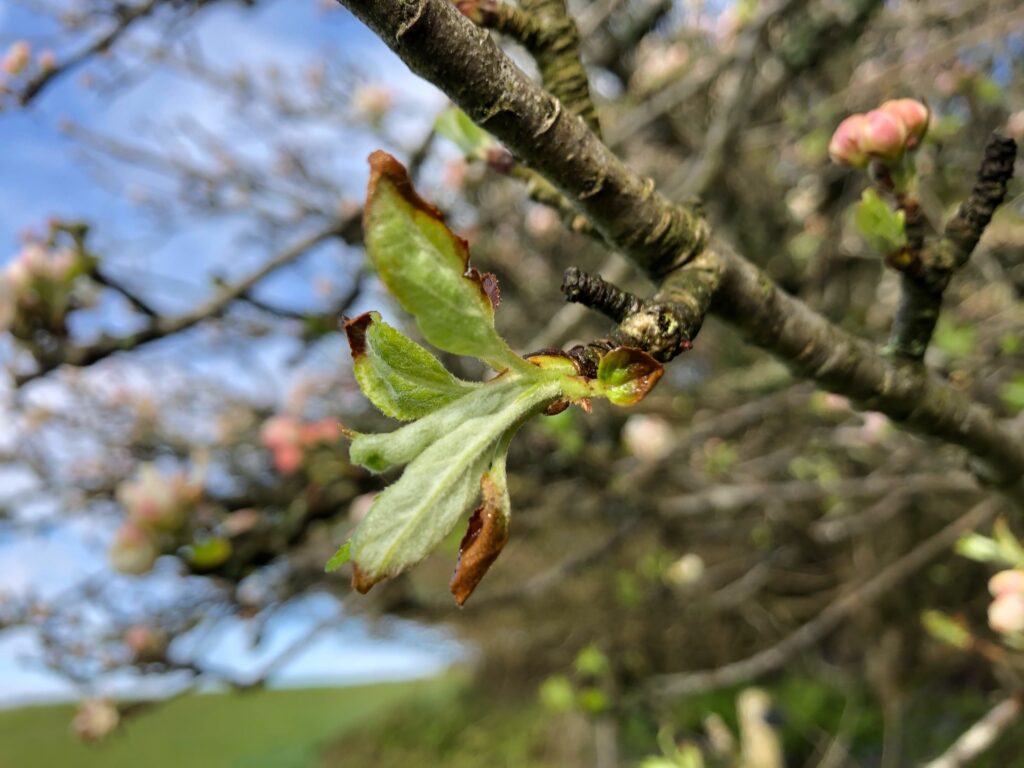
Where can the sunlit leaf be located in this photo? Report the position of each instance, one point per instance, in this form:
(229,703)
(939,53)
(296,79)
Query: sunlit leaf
(946,629)
(977,547)
(398,375)
(340,557)
(425,266)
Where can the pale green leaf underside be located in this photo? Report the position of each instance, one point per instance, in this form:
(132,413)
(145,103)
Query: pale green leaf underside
(401,378)
(381,451)
(419,261)
(455,125)
(441,484)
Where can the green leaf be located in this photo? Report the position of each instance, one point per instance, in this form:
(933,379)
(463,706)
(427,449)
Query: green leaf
(454,125)
(946,629)
(1012,394)
(1010,550)
(882,228)
(340,557)
(625,375)
(440,485)
(425,266)
(379,452)
(974,546)
(208,553)
(398,375)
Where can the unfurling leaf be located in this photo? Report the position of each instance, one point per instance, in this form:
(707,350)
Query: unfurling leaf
(425,266)
(340,557)
(486,535)
(455,125)
(411,517)
(398,375)
(626,375)
(946,629)
(883,228)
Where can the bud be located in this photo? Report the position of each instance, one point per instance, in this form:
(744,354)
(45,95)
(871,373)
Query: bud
(649,438)
(1007,583)
(95,719)
(325,431)
(1006,614)
(283,436)
(845,147)
(17,58)
(883,135)
(146,643)
(372,103)
(133,551)
(913,114)
(156,502)
(47,61)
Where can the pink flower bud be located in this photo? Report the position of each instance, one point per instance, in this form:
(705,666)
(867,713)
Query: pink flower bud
(133,551)
(883,135)
(287,458)
(47,61)
(1007,583)
(17,58)
(649,438)
(845,147)
(280,431)
(1006,614)
(323,431)
(914,115)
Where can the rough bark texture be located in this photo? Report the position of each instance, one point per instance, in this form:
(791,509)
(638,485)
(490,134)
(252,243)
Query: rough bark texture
(923,286)
(444,47)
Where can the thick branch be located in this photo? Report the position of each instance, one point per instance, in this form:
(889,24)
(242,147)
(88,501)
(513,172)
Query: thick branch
(444,47)
(440,44)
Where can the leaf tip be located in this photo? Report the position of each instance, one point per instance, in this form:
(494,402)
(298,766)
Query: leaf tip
(362,582)
(340,557)
(384,167)
(485,537)
(355,330)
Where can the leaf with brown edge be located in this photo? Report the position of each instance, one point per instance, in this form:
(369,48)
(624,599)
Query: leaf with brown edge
(486,535)
(399,376)
(626,374)
(425,266)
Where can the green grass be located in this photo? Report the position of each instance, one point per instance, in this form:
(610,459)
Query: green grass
(260,729)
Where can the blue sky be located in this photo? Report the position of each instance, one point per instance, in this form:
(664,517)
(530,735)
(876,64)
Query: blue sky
(43,174)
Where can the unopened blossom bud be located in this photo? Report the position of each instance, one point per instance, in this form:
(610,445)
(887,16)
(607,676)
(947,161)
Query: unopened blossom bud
(147,644)
(95,719)
(1006,613)
(321,432)
(1007,583)
(133,551)
(883,135)
(17,58)
(155,501)
(47,61)
(61,264)
(283,436)
(914,115)
(372,102)
(845,147)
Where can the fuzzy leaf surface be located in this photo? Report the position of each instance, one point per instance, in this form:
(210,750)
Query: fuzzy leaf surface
(438,487)
(425,266)
(399,376)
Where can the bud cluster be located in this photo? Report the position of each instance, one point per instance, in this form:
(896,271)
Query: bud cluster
(1006,612)
(156,505)
(886,133)
(18,62)
(38,289)
(289,439)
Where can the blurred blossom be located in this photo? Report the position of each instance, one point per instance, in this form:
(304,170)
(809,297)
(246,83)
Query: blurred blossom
(372,103)
(133,551)
(657,63)
(288,439)
(454,174)
(1007,582)
(649,438)
(541,221)
(146,643)
(1006,613)
(95,719)
(1015,126)
(875,427)
(687,570)
(17,58)
(240,521)
(360,506)
(153,500)
(47,61)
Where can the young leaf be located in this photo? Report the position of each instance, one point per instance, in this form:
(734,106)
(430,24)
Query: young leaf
(397,375)
(625,375)
(340,557)
(881,227)
(454,125)
(487,533)
(379,452)
(412,516)
(425,266)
